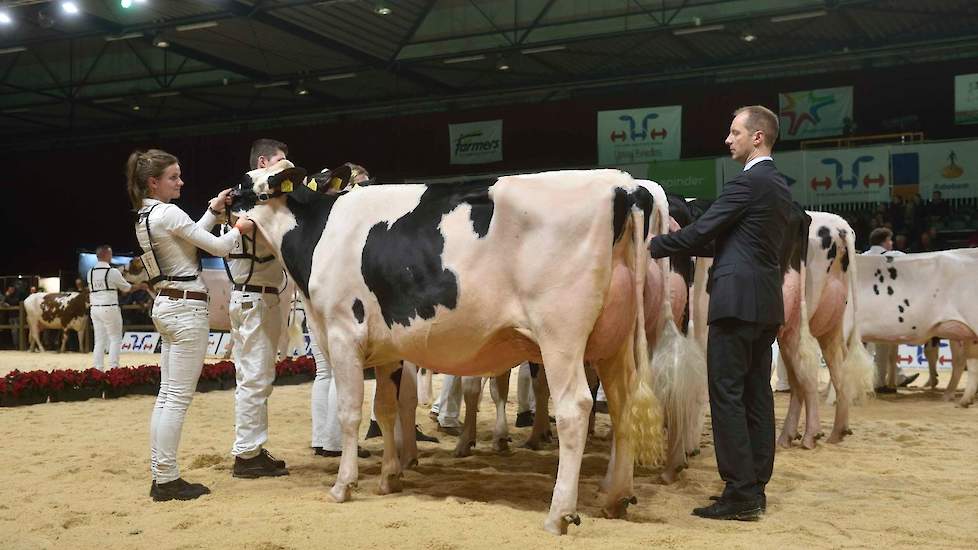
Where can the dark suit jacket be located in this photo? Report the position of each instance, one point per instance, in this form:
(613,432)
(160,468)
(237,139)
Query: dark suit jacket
(748,222)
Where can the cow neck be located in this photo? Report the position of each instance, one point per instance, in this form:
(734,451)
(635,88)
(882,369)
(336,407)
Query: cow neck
(299,239)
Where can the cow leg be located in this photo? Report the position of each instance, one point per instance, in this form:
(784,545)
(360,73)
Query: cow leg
(499,390)
(348,377)
(407,404)
(385,409)
(801,357)
(64,340)
(471,390)
(425,393)
(958,362)
(592,382)
(832,350)
(35,337)
(572,402)
(972,387)
(618,481)
(932,352)
(541,418)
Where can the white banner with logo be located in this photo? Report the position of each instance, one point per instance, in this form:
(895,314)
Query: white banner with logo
(815,113)
(790,164)
(847,175)
(951,168)
(966,99)
(639,135)
(476,142)
(140,342)
(913,356)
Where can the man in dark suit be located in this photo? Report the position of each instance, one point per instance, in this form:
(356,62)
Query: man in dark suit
(746,226)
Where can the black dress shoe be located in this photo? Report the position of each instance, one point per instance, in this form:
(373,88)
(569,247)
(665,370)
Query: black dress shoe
(361,452)
(373,431)
(524,419)
(885,389)
(744,510)
(420,436)
(450,430)
(909,380)
(763,499)
(178,489)
(262,465)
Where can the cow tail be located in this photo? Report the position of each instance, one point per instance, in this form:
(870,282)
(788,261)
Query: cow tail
(858,366)
(643,419)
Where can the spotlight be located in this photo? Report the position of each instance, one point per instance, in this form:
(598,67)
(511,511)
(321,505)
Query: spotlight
(70,8)
(5,18)
(502,64)
(382,10)
(160,42)
(126,4)
(748,37)
(300,89)
(135,107)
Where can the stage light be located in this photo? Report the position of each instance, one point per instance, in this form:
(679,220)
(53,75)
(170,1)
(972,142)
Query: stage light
(70,8)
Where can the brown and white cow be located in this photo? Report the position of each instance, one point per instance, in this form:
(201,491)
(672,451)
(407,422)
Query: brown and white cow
(912,298)
(471,279)
(57,310)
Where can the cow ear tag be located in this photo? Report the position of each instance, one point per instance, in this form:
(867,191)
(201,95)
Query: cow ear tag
(286,186)
(335,183)
(311,184)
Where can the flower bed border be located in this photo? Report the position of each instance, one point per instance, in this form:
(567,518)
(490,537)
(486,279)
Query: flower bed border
(21,388)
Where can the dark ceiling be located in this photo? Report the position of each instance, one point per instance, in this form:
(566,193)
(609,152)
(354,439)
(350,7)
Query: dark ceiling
(102,75)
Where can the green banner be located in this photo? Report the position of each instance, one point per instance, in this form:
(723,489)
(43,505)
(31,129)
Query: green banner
(693,179)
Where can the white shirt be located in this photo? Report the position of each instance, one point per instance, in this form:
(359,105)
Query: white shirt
(176,239)
(104,282)
(751,164)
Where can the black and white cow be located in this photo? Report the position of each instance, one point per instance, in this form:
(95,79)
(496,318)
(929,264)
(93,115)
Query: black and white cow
(912,298)
(469,280)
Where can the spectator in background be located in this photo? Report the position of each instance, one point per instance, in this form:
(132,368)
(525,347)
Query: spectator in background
(925,244)
(896,212)
(938,207)
(900,243)
(10,298)
(80,285)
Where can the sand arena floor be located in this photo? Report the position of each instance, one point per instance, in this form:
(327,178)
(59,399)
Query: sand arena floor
(75,475)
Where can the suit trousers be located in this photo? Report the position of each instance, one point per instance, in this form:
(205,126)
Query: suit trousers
(742,404)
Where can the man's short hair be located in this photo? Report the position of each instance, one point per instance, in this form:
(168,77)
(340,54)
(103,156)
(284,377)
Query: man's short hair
(102,249)
(879,236)
(265,147)
(761,118)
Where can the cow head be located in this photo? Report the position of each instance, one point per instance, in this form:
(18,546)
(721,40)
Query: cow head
(284,178)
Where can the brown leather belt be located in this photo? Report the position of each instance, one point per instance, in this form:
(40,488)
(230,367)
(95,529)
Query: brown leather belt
(183,294)
(256,288)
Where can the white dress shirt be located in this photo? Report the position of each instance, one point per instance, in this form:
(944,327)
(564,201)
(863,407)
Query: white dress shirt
(176,239)
(751,164)
(104,282)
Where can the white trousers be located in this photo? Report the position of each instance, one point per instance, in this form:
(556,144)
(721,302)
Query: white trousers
(449,401)
(525,399)
(107,322)
(326,431)
(256,324)
(183,328)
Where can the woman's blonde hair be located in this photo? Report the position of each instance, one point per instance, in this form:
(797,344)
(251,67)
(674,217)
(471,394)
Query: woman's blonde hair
(141,166)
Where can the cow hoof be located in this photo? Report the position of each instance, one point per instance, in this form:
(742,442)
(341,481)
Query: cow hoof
(534,444)
(501,445)
(618,510)
(836,437)
(340,493)
(694,452)
(847,431)
(411,464)
(819,435)
(964,404)
(462,450)
(808,442)
(390,483)
(669,476)
(571,518)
